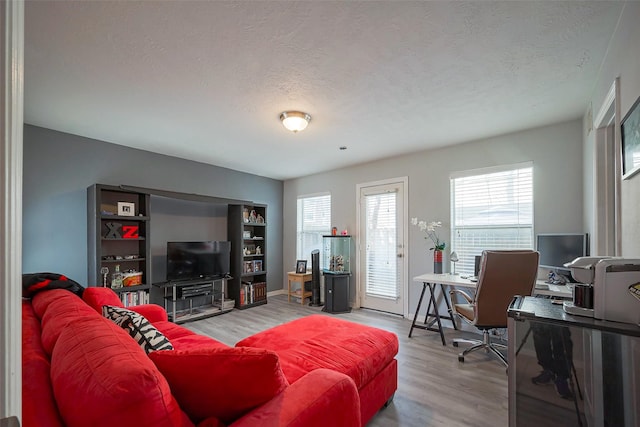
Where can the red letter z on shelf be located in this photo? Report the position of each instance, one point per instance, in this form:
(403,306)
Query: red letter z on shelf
(130,231)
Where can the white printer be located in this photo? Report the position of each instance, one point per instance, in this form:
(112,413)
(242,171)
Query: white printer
(611,279)
(611,297)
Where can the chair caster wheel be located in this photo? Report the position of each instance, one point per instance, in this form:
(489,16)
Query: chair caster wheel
(454,343)
(461,359)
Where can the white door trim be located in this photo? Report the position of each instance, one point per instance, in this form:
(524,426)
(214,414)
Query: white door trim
(11,125)
(608,116)
(404,180)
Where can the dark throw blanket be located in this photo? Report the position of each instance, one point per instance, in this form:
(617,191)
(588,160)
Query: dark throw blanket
(36,282)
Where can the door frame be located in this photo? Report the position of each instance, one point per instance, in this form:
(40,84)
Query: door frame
(11,153)
(404,180)
(606,227)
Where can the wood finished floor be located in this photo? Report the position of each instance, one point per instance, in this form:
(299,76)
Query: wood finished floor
(434,389)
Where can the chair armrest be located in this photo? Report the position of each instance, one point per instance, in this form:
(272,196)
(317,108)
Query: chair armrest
(320,398)
(152,312)
(465,295)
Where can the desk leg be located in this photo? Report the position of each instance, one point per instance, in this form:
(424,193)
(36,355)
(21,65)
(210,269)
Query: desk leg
(426,315)
(415,316)
(429,326)
(449,309)
(289,291)
(432,288)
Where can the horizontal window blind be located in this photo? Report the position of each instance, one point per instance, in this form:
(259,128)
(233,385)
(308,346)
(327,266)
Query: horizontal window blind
(491,210)
(313,222)
(382,271)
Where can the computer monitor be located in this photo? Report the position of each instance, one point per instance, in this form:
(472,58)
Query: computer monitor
(558,249)
(476,266)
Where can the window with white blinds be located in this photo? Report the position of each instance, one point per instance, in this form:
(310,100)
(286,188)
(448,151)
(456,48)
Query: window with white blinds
(491,210)
(313,221)
(381,243)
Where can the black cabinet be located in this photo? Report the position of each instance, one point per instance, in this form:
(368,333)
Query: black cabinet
(118,225)
(247,232)
(336,293)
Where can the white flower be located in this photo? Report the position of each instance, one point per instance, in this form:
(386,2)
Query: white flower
(433,224)
(430,230)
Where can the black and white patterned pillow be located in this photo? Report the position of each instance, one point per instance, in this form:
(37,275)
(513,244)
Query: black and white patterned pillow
(147,336)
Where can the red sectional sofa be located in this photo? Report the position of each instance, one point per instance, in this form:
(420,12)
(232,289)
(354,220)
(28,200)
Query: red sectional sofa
(81,369)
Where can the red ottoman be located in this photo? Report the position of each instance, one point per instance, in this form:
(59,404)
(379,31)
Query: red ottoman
(364,353)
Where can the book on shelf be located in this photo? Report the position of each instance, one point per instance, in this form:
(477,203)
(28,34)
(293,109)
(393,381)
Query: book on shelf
(132,298)
(252,292)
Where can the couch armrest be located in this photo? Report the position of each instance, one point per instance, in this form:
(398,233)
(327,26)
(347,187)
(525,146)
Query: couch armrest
(320,398)
(152,312)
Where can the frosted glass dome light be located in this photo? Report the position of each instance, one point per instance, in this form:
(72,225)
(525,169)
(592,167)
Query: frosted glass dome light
(295,121)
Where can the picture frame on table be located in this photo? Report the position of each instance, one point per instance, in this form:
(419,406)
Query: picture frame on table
(630,138)
(301,266)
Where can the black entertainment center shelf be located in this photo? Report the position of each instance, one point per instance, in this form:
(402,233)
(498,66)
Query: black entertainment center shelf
(131,288)
(255,273)
(125,218)
(201,312)
(255,304)
(176,292)
(121,239)
(118,261)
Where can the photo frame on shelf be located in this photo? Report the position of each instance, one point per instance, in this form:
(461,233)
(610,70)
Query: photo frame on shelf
(257,266)
(126,209)
(301,266)
(630,138)
(246,234)
(248,267)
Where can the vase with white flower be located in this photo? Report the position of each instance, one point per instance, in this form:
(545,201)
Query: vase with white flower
(429,228)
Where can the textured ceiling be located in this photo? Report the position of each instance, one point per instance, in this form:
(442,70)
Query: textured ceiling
(207,81)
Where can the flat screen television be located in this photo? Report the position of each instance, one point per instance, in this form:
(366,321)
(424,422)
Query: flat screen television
(557,249)
(198,260)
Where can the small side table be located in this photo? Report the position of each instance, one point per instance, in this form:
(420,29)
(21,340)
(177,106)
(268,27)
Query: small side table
(300,278)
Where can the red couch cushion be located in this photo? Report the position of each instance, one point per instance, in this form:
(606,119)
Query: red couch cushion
(57,308)
(188,342)
(38,404)
(220,382)
(320,341)
(96,297)
(101,376)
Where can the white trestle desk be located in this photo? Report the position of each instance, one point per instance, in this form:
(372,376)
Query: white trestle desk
(431,281)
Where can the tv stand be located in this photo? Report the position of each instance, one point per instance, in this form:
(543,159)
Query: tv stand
(187,290)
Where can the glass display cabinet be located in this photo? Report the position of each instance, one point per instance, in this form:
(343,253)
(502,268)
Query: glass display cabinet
(336,253)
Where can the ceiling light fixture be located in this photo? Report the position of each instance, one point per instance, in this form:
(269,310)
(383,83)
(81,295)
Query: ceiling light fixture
(295,121)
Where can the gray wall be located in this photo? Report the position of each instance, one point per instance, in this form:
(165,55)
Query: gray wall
(622,61)
(58,168)
(556,153)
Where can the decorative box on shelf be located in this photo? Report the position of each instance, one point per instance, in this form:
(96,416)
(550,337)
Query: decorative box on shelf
(131,278)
